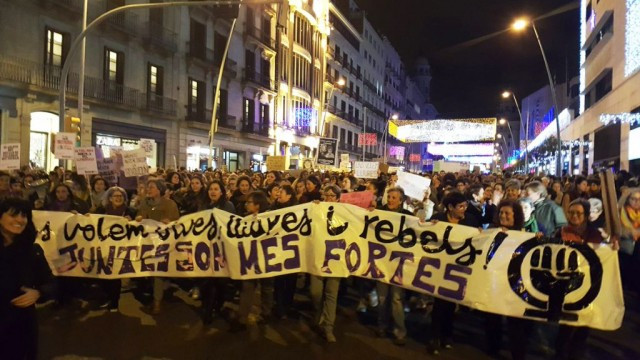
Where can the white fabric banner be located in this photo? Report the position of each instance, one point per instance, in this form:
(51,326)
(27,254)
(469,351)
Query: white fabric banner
(505,273)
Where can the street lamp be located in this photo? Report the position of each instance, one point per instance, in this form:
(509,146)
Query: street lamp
(506,94)
(386,134)
(519,25)
(339,84)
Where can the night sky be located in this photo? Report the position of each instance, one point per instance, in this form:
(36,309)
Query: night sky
(468,79)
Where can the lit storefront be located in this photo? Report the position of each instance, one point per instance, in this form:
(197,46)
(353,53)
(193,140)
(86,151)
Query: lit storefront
(107,134)
(42,126)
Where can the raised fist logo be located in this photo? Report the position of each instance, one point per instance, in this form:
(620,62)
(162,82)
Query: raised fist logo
(554,271)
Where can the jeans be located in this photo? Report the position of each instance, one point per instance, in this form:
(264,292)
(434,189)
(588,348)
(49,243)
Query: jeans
(391,296)
(324,294)
(247,295)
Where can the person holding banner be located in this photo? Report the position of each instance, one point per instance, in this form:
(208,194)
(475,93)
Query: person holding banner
(312,190)
(191,199)
(256,202)
(156,207)
(285,285)
(629,205)
(24,278)
(98,190)
(324,290)
(390,297)
(213,288)
(239,197)
(115,204)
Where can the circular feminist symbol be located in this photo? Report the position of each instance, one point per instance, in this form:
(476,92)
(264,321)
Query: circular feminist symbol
(554,271)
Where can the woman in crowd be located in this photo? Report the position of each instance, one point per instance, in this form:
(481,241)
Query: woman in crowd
(98,188)
(139,196)
(257,180)
(213,288)
(547,213)
(272,177)
(173,181)
(62,199)
(299,187)
(273,192)
(349,183)
(256,203)
(557,193)
(513,189)
(324,290)
(390,297)
(24,278)
(530,223)
(115,204)
(157,207)
(571,341)
(190,201)
(81,192)
(312,186)
(239,196)
(285,285)
(377,189)
(579,190)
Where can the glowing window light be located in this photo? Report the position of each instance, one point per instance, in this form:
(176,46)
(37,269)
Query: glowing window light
(632,37)
(461,149)
(453,130)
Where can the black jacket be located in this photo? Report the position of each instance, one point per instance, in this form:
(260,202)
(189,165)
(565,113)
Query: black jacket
(442,216)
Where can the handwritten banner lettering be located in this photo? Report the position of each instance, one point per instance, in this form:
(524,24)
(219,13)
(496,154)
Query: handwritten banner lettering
(512,273)
(134,163)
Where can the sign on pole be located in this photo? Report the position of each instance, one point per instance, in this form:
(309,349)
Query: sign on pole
(108,170)
(64,143)
(148,145)
(327,151)
(275,163)
(85,158)
(10,158)
(414,186)
(134,163)
(366,169)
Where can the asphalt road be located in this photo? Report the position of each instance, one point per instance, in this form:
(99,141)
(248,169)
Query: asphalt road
(78,332)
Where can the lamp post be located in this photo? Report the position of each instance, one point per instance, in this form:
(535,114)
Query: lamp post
(505,95)
(386,134)
(506,122)
(519,25)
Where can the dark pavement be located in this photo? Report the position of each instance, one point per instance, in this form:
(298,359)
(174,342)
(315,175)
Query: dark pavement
(76,332)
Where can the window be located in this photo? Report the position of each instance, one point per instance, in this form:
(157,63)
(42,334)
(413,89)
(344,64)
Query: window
(222,105)
(264,114)
(334,132)
(603,87)
(196,98)
(197,39)
(342,136)
(350,138)
(55,47)
(113,66)
(155,79)
(248,112)
(607,28)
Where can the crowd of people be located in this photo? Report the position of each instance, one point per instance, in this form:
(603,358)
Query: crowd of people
(566,209)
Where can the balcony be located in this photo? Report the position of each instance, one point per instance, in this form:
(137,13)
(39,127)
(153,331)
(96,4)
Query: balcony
(21,73)
(125,22)
(331,52)
(330,79)
(369,84)
(263,37)
(227,122)
(261,129)
(349,147)
(160,38)
(262,80)
(67,6)
(230,66)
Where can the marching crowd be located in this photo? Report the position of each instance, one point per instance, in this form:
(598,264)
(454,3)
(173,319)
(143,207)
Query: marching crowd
(568,208)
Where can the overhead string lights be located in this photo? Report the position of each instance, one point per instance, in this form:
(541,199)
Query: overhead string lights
(450,130)
(632,38)
(606,119)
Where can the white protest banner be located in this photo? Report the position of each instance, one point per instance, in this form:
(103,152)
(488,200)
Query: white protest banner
(366,169)
(414,186)
(134,163)
(276,163)
(64,145)
(148,145)
(510,273)
(10,157)
(108,170)
(344,157)
(85,158)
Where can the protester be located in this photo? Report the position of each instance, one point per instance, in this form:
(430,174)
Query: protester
(580,189)
(239,196)
(284,285)
(547,213)
(312,185)
(98,189)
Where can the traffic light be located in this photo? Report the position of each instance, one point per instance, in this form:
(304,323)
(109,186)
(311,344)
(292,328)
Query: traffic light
(72,125)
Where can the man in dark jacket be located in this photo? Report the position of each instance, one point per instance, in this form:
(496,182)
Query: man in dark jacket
(549,216)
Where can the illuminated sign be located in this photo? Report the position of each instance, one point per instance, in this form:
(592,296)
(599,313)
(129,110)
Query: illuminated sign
(453,130)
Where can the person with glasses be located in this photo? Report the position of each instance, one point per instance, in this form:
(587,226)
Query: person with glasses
(115,204)
(442,315)
(256,203)
(324,290)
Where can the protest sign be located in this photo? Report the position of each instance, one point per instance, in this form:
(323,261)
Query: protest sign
(345,165)
(327,151)
(366,169)
(63,146)
(10,157)
(275,163)
(414,186)
(344,157)
(148,145)
(361,199)
(134,163)
(85,158)
(107,170)
(509,273)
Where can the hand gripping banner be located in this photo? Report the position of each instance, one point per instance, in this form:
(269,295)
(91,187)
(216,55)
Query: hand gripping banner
(508,273)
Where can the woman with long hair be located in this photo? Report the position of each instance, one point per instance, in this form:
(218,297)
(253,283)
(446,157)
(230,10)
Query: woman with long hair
(191,200)
(239,196)
(299,187)
(256,203)
(312,190)
(99,187)
(579,190)
(24,278)
(213,289)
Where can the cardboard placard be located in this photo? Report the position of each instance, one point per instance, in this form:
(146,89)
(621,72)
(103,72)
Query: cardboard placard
(10,157)
(134,163)
(148,145)
(85,158)
(414,186)
(64,143)
(344,157)
(362,199)
(276,163)
(366,169)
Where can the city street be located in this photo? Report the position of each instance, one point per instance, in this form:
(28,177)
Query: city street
(75,332)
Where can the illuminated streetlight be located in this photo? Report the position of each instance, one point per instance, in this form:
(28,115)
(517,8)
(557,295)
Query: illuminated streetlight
(506,94)
(520,24)
(502,121)
(499,136)
(341,82)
